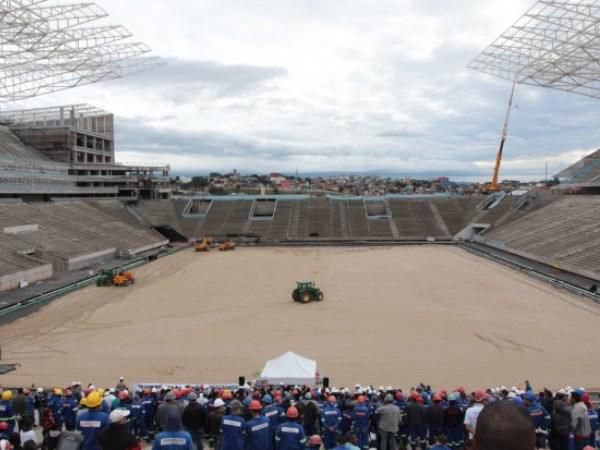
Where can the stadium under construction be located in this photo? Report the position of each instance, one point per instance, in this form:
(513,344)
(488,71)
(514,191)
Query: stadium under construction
(69,210)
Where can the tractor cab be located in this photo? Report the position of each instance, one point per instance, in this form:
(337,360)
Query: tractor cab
(306,292)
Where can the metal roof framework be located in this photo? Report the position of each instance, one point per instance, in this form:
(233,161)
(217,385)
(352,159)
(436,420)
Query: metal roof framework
(555,44)
(47,47)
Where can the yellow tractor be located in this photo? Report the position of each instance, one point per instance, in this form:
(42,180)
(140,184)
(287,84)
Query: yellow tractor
(202,246)
(227,246)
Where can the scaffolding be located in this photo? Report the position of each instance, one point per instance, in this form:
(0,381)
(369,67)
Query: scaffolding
(47,47)
(555,44)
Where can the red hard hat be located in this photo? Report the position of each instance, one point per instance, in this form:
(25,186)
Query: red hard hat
(461,390)
(331,399)
(123,395)
(255,405)
(3,426)
(315,439)
(420,399)
(479,396)
(292,412)
(361,399)
(437,397)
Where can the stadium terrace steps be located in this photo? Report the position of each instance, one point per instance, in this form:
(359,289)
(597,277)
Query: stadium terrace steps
(324,218)
(564,233)
(13,149)
(116,209)
(158,213)
(73,235)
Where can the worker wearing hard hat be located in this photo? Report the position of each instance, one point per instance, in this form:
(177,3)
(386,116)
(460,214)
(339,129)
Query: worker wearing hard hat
(7,413)
(360,422)
(290,434)
(275,413)
(69,407)
(149,404)
(213,421)
(92,422)
(331,418)
(233,428)
(257,428)
(55,403)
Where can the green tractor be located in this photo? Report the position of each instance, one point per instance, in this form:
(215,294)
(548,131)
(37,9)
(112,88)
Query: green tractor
(306,291)
(105,278)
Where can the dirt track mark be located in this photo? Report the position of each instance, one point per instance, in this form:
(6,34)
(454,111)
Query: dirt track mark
(502,346)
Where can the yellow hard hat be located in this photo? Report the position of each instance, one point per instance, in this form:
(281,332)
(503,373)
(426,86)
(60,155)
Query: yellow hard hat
(101,392)
(94,400)
(83,401)
(58,391)
(7,396)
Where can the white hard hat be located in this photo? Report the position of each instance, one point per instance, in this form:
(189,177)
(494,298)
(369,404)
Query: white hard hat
(218,403)
(118,414)
(40,390)
(154,390)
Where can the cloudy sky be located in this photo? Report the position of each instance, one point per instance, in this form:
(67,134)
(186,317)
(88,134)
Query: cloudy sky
(329,86)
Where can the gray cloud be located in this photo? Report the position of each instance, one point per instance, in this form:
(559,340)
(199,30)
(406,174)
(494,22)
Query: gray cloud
(181,80)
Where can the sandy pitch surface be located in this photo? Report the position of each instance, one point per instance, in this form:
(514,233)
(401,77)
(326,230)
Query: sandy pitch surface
(392,315)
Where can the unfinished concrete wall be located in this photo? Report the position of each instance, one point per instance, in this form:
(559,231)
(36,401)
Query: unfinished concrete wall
(12,281)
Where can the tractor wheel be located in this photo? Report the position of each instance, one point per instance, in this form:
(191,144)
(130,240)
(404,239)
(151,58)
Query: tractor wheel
(295,295)
(306,297)
(320,296)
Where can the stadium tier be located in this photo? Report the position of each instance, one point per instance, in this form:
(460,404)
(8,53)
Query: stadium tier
(40,239)
(584,173)
(564,234)
(73,234)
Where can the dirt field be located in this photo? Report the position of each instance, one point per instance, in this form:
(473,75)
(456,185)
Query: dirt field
(396,316)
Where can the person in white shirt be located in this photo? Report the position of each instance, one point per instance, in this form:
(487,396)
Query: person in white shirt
(472,413)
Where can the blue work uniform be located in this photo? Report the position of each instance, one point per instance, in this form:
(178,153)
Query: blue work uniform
(258,436)
(136,418)
(274,413)
(593,415)
(173,440)
(7,414)
(360,419)
(233,433)
(290,436)
(55,405)
(541,420)
(331,418)
(91,423)
(346,421)
(149,409)
(68,409)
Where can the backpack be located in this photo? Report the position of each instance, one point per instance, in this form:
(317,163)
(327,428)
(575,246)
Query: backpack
(69,440)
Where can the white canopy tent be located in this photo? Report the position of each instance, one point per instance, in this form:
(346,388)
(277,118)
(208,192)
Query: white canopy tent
(290,368)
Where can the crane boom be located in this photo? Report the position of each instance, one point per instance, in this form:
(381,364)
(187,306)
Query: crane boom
(494,187)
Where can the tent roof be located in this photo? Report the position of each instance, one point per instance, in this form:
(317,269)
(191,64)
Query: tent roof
(290,368)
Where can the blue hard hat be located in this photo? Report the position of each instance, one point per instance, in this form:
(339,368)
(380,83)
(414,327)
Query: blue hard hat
(517,400)
(267,399)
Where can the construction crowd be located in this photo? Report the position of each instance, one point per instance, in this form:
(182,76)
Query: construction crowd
(295,418)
